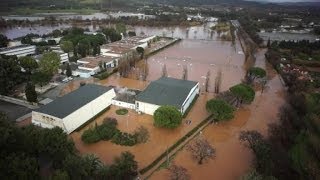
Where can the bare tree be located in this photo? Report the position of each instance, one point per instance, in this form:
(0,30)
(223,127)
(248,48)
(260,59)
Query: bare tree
(201,150)
(207,81)
(185,73)
(164,71)
(217,82)
(178,173)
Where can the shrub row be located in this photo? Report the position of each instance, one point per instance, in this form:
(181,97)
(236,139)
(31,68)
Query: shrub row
(104,74)
(108,131)
(181,140)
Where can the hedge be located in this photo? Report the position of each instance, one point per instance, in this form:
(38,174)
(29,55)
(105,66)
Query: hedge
(181,140)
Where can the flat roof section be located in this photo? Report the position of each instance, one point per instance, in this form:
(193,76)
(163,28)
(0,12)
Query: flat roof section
(65,105)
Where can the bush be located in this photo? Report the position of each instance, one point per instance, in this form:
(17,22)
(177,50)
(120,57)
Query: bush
(106,131)
(90,136)
(167,116)
(124,139)
(122,111)
(141,134)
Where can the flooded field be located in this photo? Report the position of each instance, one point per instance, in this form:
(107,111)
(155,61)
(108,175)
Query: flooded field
(198,57)
(232,159)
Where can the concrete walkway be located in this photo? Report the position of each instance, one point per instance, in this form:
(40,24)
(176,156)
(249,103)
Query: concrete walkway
(18,102)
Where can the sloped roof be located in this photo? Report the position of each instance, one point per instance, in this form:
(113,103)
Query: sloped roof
(65,105)
(167,91)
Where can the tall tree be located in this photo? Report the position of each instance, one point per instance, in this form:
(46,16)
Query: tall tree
(10,74)
(67,46)
(167,116)
(31,93)
(28,63)
(243,93)
(68,70)
(201,150)
(49,63)
(124,167)
(220,109)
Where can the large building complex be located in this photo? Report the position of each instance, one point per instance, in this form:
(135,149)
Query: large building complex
(74,109)
(19,51)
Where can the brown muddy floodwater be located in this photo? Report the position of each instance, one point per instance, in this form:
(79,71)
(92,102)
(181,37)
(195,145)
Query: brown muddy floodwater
(199,57)
(232,159)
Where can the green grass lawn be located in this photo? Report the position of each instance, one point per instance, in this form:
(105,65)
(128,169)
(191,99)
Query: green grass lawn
(122,111)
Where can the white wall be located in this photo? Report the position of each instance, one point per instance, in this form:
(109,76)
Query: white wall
(86,112)
(146,108)
(123,104)
(46,121)
(194,91)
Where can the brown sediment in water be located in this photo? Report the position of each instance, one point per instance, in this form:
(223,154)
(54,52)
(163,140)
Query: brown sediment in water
(233,159)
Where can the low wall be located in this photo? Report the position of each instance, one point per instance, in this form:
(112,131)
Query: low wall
(123,104)
(18,102)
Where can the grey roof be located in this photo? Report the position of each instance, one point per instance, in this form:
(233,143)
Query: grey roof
(167,91)
(65,105)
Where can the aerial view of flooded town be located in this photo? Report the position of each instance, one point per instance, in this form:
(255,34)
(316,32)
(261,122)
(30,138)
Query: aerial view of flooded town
(150,89)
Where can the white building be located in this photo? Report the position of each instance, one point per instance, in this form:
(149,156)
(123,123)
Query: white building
(124,46)
(89,66)
(74,109)
(19,51)
(167,91)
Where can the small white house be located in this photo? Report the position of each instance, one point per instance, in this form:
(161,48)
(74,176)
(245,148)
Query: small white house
(167,91)
(74,109)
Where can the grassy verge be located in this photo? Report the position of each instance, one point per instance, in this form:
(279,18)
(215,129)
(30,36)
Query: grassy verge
(122,111)
(171,148)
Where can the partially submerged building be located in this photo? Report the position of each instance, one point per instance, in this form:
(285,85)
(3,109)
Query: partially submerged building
(74,109)
(167,91)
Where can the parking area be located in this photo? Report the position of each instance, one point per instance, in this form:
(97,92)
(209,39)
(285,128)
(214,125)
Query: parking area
(13,111)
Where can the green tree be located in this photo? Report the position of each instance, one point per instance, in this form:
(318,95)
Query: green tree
(269,43)
(28,63)
(4,41)
(220,109)
(254,73)
(83,47)
(56,33)
(10,74)
(67,46)
(124,167)
(167,116)
(49,63)
(31,93)
(243,93)
(68,70)
(40,78)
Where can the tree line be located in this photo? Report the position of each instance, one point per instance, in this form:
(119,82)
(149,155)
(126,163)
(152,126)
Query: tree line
(26,152)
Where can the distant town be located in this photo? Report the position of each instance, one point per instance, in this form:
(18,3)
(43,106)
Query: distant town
(143,89)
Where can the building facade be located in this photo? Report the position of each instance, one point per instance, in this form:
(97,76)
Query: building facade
(19,51)
(74,109)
